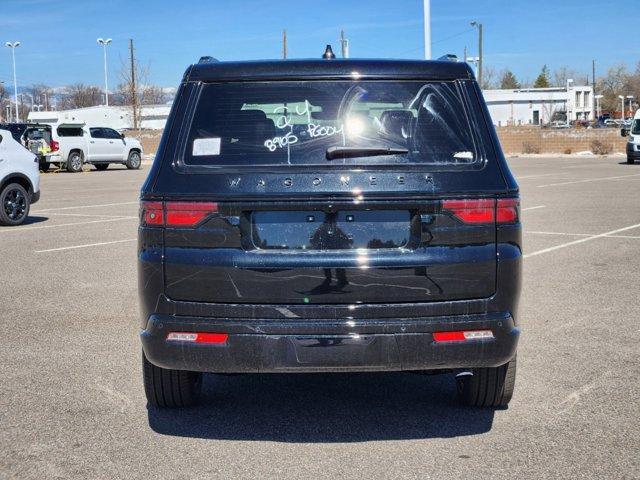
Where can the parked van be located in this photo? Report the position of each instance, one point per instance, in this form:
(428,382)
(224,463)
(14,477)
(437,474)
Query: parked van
(329,216)
(633,139)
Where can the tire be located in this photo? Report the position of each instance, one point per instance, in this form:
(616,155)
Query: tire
(74,162)
(630,160)
(14,205)
(166,388)
(488,387)
(44,166)
(134,161)
(101,166)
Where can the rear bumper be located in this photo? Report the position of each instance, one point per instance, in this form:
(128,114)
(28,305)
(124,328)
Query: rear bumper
(329,345)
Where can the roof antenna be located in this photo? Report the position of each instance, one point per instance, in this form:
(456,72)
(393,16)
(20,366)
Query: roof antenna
(328,53)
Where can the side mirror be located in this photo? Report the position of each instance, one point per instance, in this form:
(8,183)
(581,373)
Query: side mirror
(624,132)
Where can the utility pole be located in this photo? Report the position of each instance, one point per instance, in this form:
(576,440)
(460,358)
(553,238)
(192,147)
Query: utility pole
(344,43)
(134,97)
(479,27)
(480,55)
(284,44)
(427,29)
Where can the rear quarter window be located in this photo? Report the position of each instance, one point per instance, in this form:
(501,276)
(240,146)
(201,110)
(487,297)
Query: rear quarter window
(294,123)
(69,131)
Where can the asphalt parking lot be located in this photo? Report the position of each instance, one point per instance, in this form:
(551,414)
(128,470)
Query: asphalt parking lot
(72,403)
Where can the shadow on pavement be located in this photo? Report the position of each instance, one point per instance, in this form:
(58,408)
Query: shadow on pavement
(311,408)
(31,219)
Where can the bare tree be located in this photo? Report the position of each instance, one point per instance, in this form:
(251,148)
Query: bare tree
(489,78)
(80,95)
(4,101)
(42,94)
(562,74)
(152,95)
(612,85)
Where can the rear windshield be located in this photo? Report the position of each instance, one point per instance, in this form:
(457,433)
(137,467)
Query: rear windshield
(278,123)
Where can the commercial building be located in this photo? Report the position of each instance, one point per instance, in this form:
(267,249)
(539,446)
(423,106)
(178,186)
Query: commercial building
(120,118)
(540,106)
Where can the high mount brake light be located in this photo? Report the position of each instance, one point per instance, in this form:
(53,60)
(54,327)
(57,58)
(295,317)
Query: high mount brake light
(175,214)
(484,210)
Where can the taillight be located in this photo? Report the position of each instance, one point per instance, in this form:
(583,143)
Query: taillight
(175,214)
(54,146)
(151,214)
(472,210)
(188,214)
(508,210)
(484,210)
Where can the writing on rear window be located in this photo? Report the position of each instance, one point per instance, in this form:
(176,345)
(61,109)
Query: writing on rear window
(295,123)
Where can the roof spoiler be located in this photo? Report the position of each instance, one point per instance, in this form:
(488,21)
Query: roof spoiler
(208,59)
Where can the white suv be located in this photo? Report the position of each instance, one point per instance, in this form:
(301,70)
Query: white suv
(19,180)
(78,144)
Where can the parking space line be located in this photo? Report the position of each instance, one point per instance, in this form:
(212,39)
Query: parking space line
(95,215)
(86,245)
(84,206)
(533,208)
(535,176)
(581,240)
(566,234)
(589,180)
(38,227)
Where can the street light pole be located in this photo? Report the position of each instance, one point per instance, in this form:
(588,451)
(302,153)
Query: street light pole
(427,29)
(13,47)
(104,43)
(621,97)
(598,97)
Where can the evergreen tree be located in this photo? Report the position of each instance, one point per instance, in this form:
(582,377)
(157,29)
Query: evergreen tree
(543,79)
(509,81)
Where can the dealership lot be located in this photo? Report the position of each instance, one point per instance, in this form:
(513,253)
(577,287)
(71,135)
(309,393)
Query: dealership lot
(71,398)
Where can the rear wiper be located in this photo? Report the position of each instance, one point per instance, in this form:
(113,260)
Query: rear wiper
(352,152)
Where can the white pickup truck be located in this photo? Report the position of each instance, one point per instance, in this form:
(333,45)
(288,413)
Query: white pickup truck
(76,144)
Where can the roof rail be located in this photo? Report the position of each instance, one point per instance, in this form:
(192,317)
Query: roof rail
(207,59)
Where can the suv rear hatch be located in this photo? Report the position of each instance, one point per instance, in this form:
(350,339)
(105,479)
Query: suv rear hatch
(257,207)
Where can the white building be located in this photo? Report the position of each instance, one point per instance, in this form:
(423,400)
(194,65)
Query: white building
(539,106)
(120,118)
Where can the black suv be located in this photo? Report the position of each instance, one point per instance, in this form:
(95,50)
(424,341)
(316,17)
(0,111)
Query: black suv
(329,216)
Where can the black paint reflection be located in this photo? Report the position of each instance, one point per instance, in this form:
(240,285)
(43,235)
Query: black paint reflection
(330,237)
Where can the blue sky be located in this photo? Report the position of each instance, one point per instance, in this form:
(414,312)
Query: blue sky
(59,37)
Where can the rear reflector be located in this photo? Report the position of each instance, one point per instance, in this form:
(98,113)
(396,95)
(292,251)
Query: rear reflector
(175,214)
(462,335)
(197,337)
